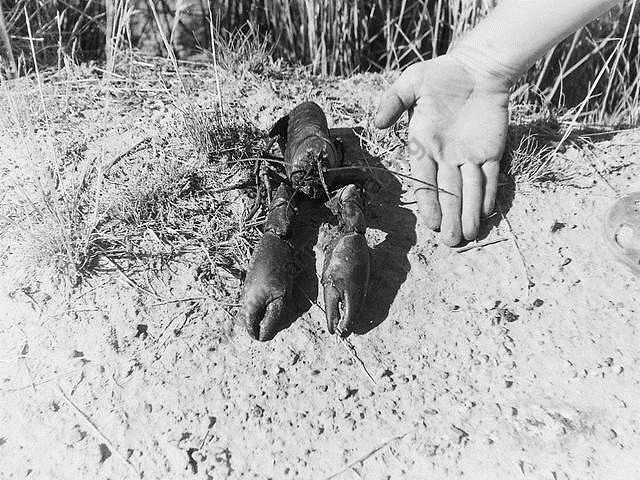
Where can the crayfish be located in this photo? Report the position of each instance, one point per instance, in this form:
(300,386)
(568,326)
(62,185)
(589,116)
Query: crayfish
(312,159)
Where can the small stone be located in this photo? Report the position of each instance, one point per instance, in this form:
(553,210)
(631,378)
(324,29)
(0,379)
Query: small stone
(76,435)
(105,453)
(348,393)
(459,434)
(538,302)
(329,413)
(142,331)
(608,361)
(507,315)
(257,411)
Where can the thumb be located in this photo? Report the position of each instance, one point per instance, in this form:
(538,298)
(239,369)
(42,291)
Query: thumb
(399,97)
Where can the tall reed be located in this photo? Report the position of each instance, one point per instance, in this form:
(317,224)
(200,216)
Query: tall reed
(341,38)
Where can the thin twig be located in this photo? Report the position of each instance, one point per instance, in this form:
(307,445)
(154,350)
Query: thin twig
(367,455)
(128,279)
(6,52)
(215,63)
(40,382)
(352,350)
(167,45)
(119,157)
(530,283)
(179,300)
(256,204)
(98,431)
(358,167)
(480,244)
(35,63)
(591,157)
(403,175)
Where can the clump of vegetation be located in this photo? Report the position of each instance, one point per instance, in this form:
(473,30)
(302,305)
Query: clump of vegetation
(168,206)
(530,162)
(53,207)
(81,211)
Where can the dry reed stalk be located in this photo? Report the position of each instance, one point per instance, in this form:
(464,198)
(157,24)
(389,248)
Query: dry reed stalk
(337,38)
(167,45)
(215,61)
(109,46)
(35,62)
(619,50)
(6,52)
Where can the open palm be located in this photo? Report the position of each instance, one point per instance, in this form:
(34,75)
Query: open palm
(457,132)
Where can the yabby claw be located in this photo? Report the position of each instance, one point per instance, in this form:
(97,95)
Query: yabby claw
(268,284)
(345,276)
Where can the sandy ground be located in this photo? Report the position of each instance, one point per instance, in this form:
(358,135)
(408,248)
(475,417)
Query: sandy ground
(516,360)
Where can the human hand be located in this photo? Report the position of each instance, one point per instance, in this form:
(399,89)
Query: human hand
(458,117)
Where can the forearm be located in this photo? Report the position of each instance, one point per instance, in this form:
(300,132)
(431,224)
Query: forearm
(518,32)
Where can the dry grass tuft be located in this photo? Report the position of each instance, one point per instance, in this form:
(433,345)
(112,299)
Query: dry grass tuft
(172,206)
(52,208)
(243,50)
(531,163)
(181,194)
(221,140)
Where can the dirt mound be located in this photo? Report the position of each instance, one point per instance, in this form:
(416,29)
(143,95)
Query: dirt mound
(517,358)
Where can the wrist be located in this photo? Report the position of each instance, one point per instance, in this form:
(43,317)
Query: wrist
(488,74)
(484,65)
(516,33)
